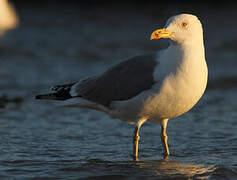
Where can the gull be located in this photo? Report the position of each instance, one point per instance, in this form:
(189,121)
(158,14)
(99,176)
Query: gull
(8,16)
(154,87)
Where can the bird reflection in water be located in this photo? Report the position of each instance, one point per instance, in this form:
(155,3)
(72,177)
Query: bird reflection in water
(170,168)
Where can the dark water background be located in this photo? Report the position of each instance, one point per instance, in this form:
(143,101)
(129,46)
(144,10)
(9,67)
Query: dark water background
(61,43)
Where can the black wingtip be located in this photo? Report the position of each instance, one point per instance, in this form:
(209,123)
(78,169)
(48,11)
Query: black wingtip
(54,96)
(38,97)
(46,96)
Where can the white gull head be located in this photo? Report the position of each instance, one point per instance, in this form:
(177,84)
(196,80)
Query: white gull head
(186,28)
(181,29)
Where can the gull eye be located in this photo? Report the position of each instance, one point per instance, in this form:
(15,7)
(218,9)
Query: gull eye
(184,24)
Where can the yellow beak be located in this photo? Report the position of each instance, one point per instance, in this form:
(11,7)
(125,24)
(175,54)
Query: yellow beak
(161,33)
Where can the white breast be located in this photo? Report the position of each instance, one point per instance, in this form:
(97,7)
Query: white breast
(183,77)
(181,80)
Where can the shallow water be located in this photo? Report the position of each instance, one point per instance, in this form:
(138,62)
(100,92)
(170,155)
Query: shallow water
(40,140)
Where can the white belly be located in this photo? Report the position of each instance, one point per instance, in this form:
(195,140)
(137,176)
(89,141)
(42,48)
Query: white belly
(176,94)
(181,80)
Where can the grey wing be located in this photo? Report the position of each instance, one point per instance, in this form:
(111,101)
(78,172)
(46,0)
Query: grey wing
(121,82)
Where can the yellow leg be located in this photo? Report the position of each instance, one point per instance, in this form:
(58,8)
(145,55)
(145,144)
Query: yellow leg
(164,137)
(136,138)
